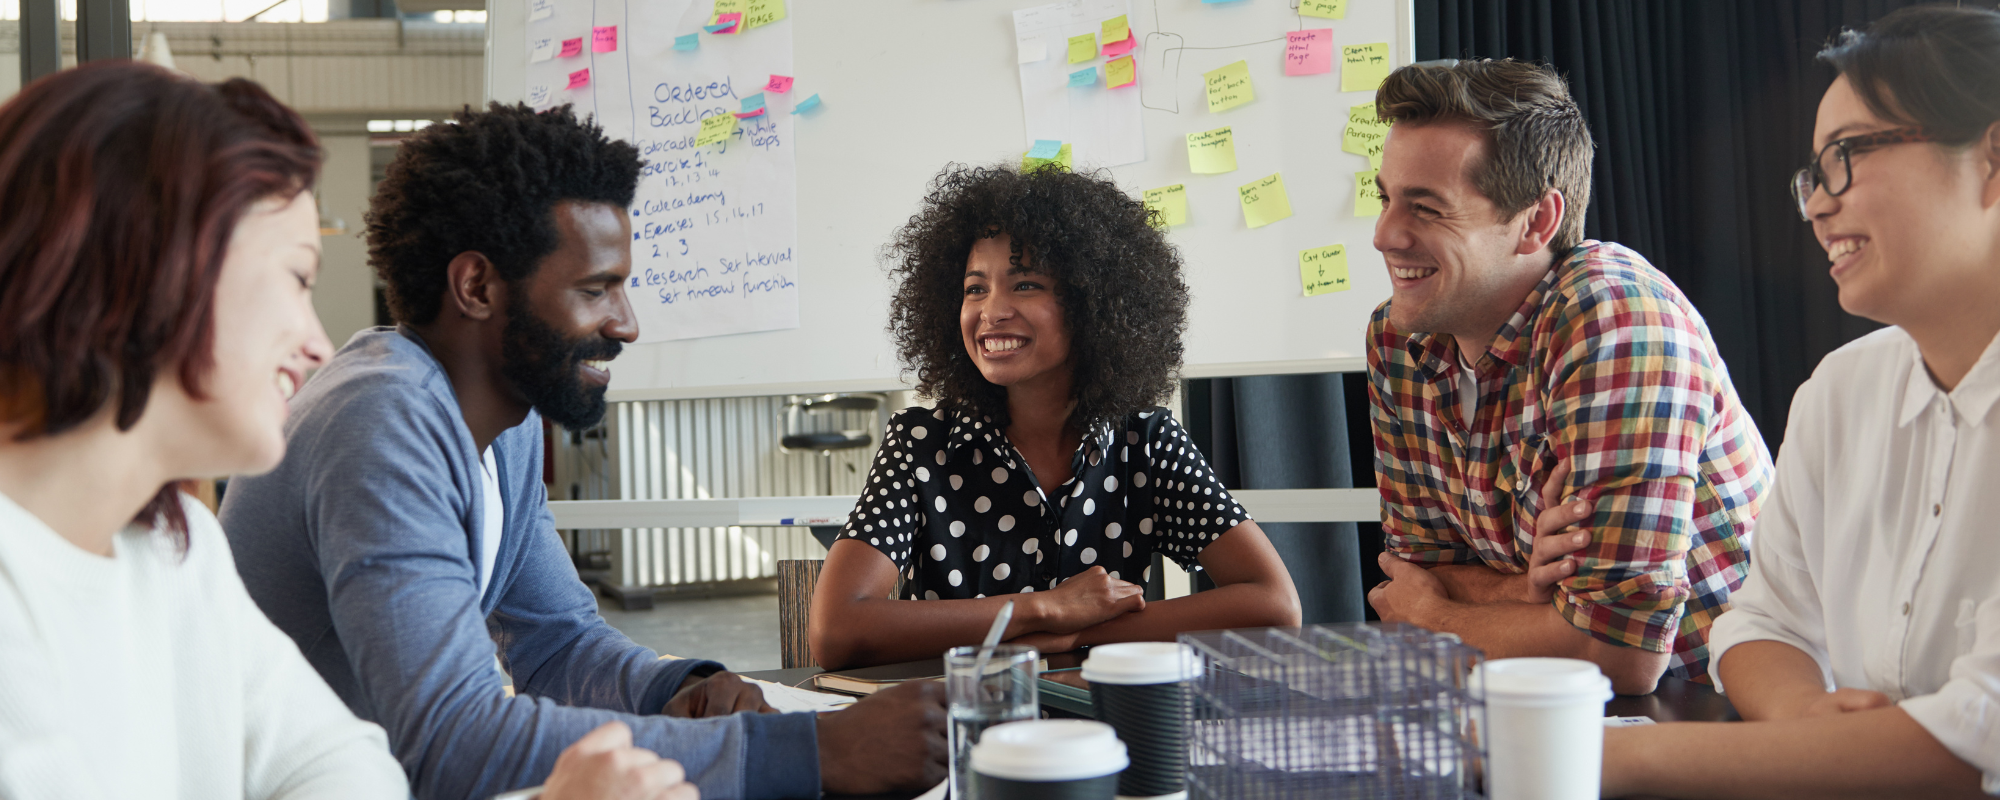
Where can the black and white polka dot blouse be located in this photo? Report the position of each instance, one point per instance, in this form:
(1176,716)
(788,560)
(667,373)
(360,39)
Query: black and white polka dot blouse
(956,508)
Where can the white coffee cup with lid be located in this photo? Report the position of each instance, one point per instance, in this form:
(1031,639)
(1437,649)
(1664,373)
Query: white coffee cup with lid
(1048,759)
(1544,727)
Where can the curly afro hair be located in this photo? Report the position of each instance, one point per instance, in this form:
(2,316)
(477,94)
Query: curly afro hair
(487,182)
(1117,278)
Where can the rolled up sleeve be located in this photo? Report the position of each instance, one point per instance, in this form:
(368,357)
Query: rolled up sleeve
(1631,396)
(1964,715)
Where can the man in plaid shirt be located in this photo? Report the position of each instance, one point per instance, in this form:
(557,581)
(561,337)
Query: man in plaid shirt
(1516,363)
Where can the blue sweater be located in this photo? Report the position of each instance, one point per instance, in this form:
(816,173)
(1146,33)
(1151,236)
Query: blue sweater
(361,546)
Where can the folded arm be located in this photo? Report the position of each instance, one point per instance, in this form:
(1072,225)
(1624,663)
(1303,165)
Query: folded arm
(856,623)
(1880,753)
(1252,590)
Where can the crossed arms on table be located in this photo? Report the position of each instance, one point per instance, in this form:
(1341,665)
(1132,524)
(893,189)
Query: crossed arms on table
(1515,615)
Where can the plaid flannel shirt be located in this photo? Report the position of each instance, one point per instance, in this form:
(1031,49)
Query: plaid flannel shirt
(1608,367)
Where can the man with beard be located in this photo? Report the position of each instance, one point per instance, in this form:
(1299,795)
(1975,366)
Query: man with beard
(1517,363)
(406,537)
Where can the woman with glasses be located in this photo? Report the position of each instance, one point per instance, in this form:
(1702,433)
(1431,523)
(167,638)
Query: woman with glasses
(1864,648)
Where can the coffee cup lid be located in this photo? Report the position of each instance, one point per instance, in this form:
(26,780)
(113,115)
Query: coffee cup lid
(1042,750)
(1141,663)
(1541,679)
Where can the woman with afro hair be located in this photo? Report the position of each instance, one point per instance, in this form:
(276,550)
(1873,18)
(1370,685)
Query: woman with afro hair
(1043,311)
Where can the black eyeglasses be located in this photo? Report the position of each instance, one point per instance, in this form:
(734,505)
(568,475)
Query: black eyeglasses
(1831,171)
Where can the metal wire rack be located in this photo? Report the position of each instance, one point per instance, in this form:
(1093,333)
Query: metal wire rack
(1333,712)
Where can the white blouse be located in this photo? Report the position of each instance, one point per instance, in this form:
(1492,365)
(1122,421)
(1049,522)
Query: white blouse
(149,675)
(1878,551)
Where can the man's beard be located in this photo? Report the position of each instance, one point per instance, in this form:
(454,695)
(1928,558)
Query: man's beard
(543,367)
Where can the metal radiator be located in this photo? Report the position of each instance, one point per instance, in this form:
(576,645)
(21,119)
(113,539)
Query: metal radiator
(697,449)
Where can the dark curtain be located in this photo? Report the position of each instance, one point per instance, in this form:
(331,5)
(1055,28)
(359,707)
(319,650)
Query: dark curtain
(1701,110)
(1289,432)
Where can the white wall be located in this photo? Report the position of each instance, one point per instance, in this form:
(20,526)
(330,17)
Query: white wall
(345,295)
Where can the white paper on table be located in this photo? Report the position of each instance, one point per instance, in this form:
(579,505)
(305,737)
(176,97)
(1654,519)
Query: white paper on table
(715,228)
(1102,125)
(936,793)
(789,699)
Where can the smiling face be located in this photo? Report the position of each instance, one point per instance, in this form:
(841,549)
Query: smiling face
(1452,260)
(1911,238)
(570,317)
(267,337)
(1010,319)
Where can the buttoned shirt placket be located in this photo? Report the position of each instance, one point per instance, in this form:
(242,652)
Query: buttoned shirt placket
(1941,417)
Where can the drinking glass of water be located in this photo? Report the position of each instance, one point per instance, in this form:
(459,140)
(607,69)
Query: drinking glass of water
(982,696)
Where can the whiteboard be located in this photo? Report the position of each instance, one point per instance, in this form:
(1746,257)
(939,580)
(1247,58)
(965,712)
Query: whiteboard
(912,85)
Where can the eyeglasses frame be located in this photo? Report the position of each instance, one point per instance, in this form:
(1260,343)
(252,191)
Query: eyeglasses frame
(1812,178)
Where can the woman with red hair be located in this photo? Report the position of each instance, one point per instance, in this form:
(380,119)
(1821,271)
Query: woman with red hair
(158,246)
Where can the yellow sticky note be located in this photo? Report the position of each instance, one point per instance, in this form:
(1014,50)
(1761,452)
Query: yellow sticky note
(1365,134)
(758,13)
(1328,9)
(1367,197)
(1082,48)
(1170,202)
(715,129)
(1029,162)
(1119,72)
(1264,201)
(1363,67)
(1116,29)
(1323,269)
(1211,152)
(1229,86)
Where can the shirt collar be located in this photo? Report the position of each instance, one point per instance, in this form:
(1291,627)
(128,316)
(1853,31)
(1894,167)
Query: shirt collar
(1097,439)
(1973,397)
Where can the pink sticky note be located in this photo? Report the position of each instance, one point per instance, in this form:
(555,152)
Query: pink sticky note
(1309,52)
(579,79)
(572,47)
(727,22)
(1120,47)
(779,84)
(749,114)
(604,39)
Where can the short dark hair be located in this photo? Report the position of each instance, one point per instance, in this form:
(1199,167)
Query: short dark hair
(1536,136)
(120,186)
(1118,280)
(487,182)
(1933,66)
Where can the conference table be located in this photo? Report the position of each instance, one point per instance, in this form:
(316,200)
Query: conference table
(1674,700)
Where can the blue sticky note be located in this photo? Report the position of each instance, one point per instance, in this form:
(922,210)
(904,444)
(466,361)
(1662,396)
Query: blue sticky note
(807,104)
(691,41)
(718,28)
(753,102)
(1045,149)
(1083,77)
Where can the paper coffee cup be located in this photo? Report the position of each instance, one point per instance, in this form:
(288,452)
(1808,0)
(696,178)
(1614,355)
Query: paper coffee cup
(1141,689)
(1544,727)
(1047,759)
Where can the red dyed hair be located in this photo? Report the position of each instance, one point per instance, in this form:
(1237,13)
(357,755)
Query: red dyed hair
(120,186)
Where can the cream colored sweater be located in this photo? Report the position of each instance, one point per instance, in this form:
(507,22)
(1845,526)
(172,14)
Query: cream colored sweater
(146,675)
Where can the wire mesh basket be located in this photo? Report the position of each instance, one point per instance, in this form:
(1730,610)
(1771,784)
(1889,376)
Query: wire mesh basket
(1333,712)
